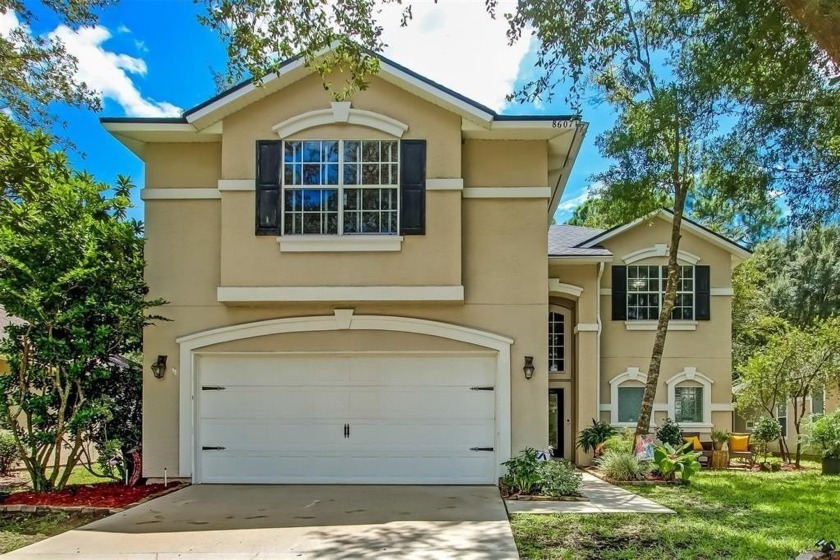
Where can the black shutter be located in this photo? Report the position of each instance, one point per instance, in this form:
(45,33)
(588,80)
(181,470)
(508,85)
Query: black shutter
(268,187)
(702,293)
(619,293)
(413,187)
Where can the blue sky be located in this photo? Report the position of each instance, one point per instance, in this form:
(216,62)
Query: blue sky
(153,58)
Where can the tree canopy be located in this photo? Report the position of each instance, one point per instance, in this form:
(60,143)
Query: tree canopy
(71,271)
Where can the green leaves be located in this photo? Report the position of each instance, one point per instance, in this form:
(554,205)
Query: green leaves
(71,271)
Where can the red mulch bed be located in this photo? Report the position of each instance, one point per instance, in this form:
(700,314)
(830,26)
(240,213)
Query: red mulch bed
(105,495)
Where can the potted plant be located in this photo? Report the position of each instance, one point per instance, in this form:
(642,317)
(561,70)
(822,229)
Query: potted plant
(719,437)
(592,437)
(823,434)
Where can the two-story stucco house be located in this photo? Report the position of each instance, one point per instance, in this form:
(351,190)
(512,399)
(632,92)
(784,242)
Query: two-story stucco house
(370,292)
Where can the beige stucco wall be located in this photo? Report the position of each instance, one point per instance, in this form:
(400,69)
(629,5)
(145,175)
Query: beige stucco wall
(516,163)
(495,248)
(170,165)
(708,348)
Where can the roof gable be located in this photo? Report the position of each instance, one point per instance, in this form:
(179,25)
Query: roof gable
(664,214)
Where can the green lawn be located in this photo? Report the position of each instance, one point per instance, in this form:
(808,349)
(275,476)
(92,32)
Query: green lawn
(727,514)
(21,529)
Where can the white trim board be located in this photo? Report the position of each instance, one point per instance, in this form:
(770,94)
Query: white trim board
(653,325)
(339,243)
(507,192)
(555,286)
(237,184)
(179,194)
(343,319)
(256,294)
(445,184)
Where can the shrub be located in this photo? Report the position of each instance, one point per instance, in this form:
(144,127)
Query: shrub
(765,430)
(670,432)
(9,453)
(623,465)
(823,434)
(618,443)
(522,473)
(558,478)
(671,462)
(592,436)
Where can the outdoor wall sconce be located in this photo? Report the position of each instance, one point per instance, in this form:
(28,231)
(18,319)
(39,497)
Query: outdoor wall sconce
(159,367)
(528,368)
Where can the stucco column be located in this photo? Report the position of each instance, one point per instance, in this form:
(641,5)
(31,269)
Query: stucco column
(586,382)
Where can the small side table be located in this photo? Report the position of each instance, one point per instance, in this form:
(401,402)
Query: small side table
(720,460)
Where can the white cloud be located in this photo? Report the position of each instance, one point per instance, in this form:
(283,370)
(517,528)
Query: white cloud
(108,73)
(458,45)
(8,22)
(122,28)
(569,204)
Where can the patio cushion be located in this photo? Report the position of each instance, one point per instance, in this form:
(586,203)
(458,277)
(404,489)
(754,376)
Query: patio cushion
(739,444)
(695,442)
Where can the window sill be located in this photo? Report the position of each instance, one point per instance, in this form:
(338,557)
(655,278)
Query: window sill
(651,325)
(340,243)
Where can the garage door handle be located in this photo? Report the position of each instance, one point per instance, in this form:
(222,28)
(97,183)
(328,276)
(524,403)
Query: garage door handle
(346,430)
(212,388)
(481,449)
(212,448)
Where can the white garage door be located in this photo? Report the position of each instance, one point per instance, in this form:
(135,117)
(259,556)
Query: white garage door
(386,419)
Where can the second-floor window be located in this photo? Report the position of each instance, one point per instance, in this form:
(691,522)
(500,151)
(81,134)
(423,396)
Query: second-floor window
(340,187)
(646,293)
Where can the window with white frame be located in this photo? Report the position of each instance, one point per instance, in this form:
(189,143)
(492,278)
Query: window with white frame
(818,401)
(688,404)
(781,416)
(556,342)
(630,403)
(340,187)
(646,292)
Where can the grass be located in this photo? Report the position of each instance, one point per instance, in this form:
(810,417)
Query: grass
(21,529)
(722,514)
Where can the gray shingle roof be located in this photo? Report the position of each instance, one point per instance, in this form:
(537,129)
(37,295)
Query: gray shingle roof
(563,241)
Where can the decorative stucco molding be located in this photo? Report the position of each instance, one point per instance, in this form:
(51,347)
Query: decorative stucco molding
(341,113)
(659,250)
(264,294)
(691,374)
(555,286)
(179,194)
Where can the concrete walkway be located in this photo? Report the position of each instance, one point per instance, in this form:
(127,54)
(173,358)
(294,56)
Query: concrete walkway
(603,498)
(229,522)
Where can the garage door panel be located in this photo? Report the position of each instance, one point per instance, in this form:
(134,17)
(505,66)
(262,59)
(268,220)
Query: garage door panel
(410,419)
(310,468)
(274,402)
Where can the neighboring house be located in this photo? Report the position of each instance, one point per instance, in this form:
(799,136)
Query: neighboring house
(358,290)
(823,401)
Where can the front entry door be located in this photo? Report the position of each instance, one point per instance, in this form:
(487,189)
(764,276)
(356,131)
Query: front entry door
(556,426)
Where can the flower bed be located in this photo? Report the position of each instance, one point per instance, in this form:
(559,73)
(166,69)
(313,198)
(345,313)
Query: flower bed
(107,495)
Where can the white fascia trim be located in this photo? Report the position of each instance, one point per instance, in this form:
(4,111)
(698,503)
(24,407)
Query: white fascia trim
(453,184)
(342,320)
(340,243)
(118,127)
(691,374)
(555,286)
(179,194)
(258,294)
(579,260)
(722,291)
(507,192)
(237,184)
(659,250)
(340,112)
(652,325)
(586,327)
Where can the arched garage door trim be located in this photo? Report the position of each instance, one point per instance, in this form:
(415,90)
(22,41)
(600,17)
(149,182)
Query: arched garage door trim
(343,319)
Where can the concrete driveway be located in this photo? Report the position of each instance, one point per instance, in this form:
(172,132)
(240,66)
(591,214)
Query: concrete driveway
(281,522)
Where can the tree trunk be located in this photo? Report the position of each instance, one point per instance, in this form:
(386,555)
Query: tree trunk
(643,426)
(821,20)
